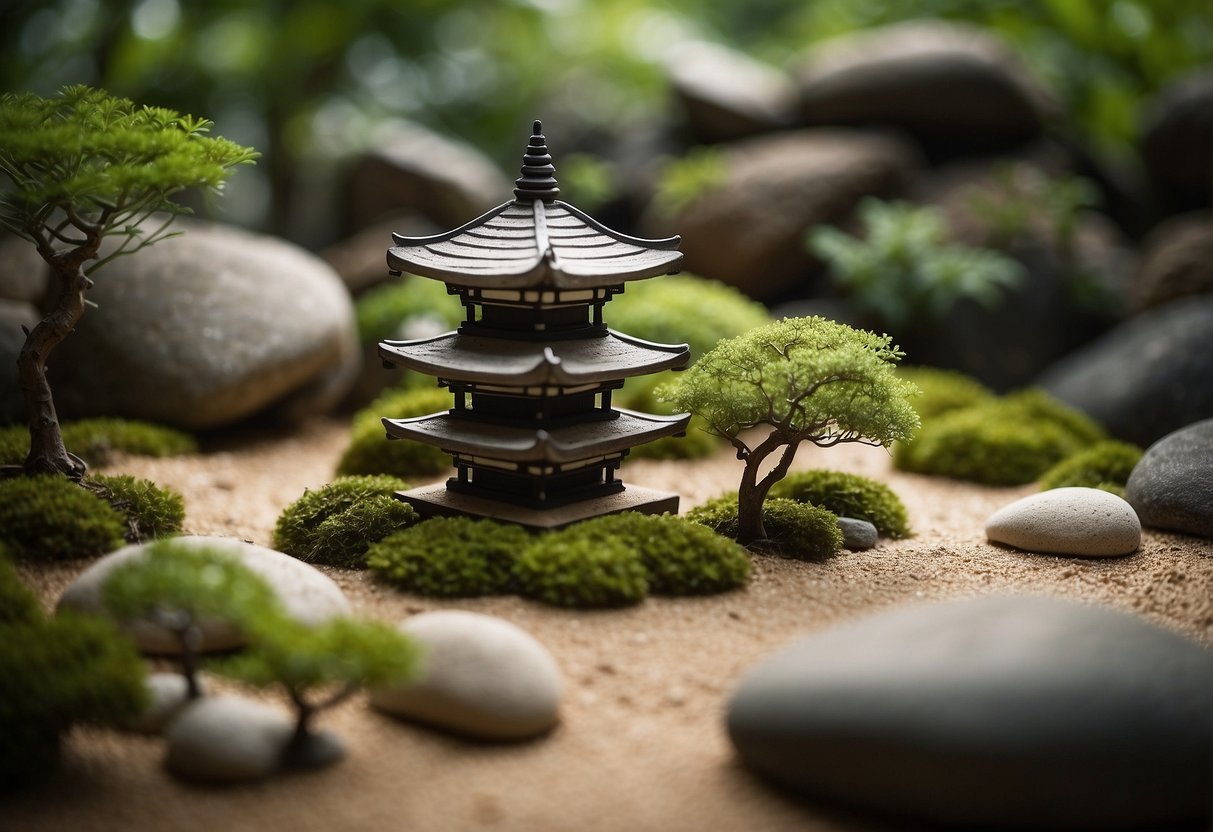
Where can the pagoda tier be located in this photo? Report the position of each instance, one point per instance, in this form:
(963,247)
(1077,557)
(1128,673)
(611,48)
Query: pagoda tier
(533,366)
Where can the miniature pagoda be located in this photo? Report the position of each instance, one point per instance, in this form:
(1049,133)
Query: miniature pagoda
(533,434)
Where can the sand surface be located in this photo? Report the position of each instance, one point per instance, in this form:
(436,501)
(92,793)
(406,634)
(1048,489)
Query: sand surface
(642,744)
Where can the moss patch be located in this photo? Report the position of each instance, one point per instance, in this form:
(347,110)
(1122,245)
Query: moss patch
(451,557)
(150,510)
(388,311)
(848,495)
(53,518)
(336,524)
(1104,465)
(794,530)
(567,569)
(371,452)
(96,440)
(944,391)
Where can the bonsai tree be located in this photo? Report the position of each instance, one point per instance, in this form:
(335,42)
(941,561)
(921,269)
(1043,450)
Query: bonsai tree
(339,657)
(804,380)
(176,587)
(78,168)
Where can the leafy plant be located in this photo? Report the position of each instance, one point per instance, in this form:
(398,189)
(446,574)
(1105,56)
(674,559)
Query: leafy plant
(904,266)
(804,380)
(50,518)
(1104,465)
(150,510)
(848,495)
(792,529)
(1025,200)
(567,569)
(78,168)
(371,452)
(337,523)
(450,557)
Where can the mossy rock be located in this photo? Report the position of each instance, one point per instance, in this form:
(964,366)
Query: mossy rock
(794,530)
(151,511)
(1007,441)
(371,452)
(567,569)
(52,518)
(1104,465)
(451,557)
(944,391)
(336,524)
(96,440)
(681,557)
(387,311)
(848,495)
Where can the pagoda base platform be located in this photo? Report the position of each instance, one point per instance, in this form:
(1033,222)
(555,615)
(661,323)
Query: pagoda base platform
(437,501)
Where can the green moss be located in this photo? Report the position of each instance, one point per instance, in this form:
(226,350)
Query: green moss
(17,604)
(96,440)
(794,530)
(371,452)
(848,495)
(1104,465)
(1007,441)
(944,391)
(567,569)
(682,558)
(150,510)
(450,557)
(387,311)
(336,524)
(53,518)
(14,444)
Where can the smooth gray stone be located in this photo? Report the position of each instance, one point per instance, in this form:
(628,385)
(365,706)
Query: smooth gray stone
(1172,485)
(1010,712)
(227,739)
(168,695)
(1085,522)
(857,535)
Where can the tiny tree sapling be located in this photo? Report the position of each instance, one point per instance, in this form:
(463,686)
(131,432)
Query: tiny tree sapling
(78,168)
(807,380)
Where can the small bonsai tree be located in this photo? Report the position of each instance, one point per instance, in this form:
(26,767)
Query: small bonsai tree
(341,655)
(175,587)
(78,168)
(805,380)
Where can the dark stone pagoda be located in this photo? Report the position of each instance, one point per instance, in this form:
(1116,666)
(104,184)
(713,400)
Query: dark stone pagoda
(533,434)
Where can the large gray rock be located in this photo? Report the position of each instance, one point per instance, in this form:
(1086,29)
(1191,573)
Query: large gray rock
(308,594)
(1085,522)
(748,230)
(1177,261)
(1177,142)
(954,86)
(1172,485)
(1018,712)
(206,329)
(1147,377)
(728,95)
(222,740)
(483,677)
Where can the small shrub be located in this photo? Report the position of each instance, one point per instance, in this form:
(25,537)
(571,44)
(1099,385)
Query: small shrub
(53,518)
(1104,465)
(17,604)
(682,558)
(301,530)
(450,557)
(944,390)
(794,530)
(390,310)
(150,510)
(848,495)
(371,452)
(96,440)
(566,569)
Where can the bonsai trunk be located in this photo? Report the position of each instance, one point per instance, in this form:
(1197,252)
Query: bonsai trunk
(190,637)
(47,454)
(753,491)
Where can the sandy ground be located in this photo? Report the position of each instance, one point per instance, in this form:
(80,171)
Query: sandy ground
(642,744)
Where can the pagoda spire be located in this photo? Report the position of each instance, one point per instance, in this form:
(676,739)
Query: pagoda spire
(538,180)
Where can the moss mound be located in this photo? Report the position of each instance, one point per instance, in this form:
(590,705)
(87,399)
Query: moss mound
(944,391)
(848,495)
(96,440)
(336,524)
(450,557)
(17,604)
(681,558)
(53,518)
(1105,465)
(567,569)
(390,310)
(371,452)
(1007,441)
(794,530)
(150,510)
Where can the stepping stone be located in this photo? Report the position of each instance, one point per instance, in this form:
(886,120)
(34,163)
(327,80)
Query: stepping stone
(1086,522)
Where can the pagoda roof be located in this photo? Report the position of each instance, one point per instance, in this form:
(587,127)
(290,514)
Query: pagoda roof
(567,443)
(458,357)
(534,240)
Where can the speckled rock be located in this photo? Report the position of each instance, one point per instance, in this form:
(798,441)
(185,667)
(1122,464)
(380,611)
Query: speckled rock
(1172,485)
(1015,712)
(227,739)
(482,677)
(1068,521)
(308,594)
(857,535)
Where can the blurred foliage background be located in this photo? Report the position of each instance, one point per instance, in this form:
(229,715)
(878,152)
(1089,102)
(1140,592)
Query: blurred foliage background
(308,81)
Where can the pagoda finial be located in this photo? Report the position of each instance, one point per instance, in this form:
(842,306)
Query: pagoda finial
(538,180)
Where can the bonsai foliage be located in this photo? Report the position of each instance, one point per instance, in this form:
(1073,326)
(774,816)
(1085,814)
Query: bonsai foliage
(175,587)
(337,523)
(319,667)
(848,495)
(150,510)
(78,168)
(792,529)
(50,518)
(450,557)
(802,380)
(1104,465)
(371,452)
